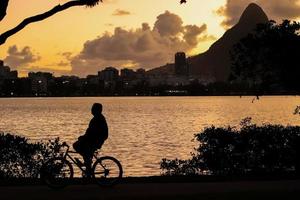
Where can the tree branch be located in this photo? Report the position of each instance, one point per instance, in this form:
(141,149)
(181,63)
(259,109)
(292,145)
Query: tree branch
(40,17)
(3,7)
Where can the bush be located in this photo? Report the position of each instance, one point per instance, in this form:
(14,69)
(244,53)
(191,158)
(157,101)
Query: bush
(252,149)
(21,159)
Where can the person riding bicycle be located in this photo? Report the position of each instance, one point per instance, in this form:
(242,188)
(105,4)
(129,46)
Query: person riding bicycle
(94,137)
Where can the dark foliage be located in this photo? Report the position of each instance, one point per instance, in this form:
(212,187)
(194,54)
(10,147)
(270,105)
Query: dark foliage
(251,150)
(21,159)
(269,57)
(91,3)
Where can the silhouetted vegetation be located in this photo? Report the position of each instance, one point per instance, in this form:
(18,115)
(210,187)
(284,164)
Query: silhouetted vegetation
(250,150)
(268,58)
(20,158)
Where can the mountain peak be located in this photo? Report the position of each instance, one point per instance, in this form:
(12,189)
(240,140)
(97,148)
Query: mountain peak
(253,14)
(215,63)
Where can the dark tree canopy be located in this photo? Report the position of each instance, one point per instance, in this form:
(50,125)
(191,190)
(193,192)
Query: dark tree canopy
(269,57)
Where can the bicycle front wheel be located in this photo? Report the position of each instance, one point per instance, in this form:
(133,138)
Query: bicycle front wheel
(57,172)
(107,171)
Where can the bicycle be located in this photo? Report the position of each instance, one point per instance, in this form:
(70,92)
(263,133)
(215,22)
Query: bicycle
(57,172)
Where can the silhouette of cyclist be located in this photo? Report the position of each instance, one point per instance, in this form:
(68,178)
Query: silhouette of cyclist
(94,137)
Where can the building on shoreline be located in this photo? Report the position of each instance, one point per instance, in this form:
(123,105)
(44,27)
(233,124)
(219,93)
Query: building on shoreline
(181,64)
(40,82)
(8,80)
(109,81)
(6,73)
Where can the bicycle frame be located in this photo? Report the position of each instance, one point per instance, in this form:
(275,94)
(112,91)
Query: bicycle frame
(73,161)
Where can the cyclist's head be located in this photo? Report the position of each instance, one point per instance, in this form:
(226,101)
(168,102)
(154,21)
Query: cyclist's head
(97,109)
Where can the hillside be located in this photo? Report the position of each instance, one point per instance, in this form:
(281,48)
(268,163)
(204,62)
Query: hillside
(215,62)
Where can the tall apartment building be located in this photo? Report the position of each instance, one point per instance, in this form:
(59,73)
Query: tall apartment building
(181,64)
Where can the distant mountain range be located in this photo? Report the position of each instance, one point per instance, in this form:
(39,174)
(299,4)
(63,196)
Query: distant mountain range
(215,62)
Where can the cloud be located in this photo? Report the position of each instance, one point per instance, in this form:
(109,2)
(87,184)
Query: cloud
(24,61)
(205,38)
(67,55)
(120,12)
(168,24)
(142,47)
(63,64)
(275,9)
(20,58)
(192,32)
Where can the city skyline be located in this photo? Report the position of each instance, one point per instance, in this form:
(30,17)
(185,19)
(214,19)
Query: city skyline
(180,67)
(109,81)
(40,48)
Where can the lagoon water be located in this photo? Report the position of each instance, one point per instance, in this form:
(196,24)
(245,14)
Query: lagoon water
(143,130)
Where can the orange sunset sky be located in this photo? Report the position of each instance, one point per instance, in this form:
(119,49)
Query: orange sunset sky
(121,33)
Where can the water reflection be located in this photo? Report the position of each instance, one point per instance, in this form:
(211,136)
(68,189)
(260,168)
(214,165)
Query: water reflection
(144,129)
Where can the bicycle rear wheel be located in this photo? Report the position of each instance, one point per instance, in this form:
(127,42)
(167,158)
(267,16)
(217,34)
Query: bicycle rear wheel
(107,171)
(57,172)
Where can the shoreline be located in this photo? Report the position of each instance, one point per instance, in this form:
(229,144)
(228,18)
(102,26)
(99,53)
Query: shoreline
(141,96)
